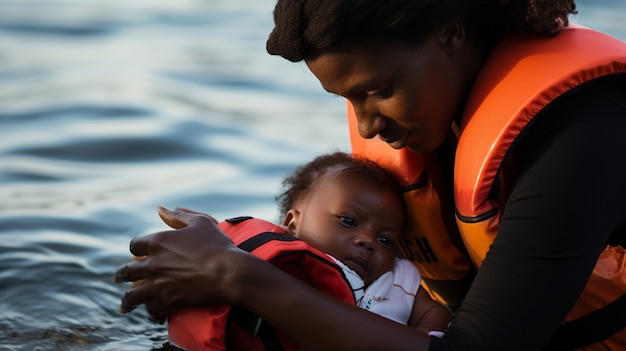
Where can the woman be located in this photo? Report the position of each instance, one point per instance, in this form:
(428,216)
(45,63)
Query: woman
(535,182)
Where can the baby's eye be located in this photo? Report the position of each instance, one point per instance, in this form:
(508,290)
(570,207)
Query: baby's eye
(385,241)
(347,221)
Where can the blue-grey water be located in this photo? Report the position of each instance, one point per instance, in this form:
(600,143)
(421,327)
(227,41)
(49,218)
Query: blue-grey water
(109,108)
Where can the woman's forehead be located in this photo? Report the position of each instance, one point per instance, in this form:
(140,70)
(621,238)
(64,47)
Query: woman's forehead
(346,72)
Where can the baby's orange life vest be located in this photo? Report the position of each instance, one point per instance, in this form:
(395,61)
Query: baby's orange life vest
(447,241)
(225,327)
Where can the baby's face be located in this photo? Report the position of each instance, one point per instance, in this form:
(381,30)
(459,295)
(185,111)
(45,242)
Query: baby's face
(356,221)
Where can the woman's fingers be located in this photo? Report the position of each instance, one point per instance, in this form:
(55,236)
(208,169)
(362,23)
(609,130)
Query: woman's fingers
(140,246)
(137,295)
(199,226)
(132,271)
(195,256)
(176,219)
(155,311)
(183,209)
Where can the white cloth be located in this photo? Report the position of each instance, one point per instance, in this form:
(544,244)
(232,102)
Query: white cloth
(392,295)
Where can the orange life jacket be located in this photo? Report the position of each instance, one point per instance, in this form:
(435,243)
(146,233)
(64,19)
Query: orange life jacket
(520,78)
(225,327)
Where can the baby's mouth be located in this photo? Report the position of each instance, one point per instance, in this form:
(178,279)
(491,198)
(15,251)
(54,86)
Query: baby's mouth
(359,265)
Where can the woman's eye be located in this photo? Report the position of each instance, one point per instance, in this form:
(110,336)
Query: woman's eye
(381,93)
(385,241)
(347,221)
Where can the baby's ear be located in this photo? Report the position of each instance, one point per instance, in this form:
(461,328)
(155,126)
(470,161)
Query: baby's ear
(290,222)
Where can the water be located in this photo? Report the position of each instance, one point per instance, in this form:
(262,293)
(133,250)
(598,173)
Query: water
(109,108)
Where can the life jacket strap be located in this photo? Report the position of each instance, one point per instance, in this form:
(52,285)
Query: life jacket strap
(255,326)
(590,328)
(249,321)
(262,238)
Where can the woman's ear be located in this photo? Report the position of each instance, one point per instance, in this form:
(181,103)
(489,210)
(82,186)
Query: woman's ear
(451,36)
(291,222)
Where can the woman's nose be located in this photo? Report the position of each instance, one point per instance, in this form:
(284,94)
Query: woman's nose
(369,122)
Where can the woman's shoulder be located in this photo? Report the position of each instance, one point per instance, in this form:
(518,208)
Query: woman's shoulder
(602,94)
(597,109)
(612,88)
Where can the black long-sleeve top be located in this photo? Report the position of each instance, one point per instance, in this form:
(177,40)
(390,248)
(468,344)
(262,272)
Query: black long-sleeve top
(567,202)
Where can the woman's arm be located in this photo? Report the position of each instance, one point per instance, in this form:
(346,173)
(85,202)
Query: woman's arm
(567,200)
(317,322)
(197,265)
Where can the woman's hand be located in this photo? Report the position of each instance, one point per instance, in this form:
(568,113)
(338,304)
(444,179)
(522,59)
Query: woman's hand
(197,266)
(181,268)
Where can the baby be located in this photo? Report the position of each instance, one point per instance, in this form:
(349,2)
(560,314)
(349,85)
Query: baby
(350,210)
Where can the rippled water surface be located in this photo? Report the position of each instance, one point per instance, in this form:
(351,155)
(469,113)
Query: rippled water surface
(109,108)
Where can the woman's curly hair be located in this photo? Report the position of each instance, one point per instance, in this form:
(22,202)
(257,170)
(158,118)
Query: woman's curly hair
(305,29)
(302,181)
(545,17)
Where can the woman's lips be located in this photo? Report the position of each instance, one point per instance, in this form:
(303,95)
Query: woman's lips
(396,142)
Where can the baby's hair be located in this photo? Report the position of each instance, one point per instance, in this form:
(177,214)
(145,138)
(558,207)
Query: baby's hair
(301,182)
(304,29)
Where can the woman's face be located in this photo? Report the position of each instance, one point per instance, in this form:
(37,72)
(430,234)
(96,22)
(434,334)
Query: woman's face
(407,96)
